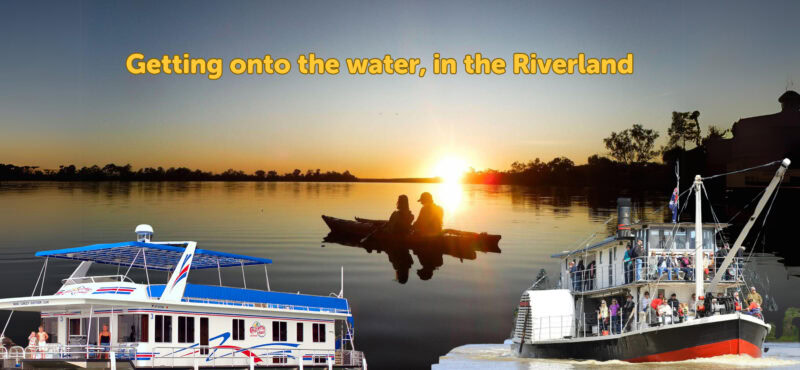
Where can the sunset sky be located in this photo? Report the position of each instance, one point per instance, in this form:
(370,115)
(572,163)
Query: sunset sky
(66,98)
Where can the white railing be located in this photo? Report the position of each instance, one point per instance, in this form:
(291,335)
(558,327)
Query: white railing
(559,327)
(203,356)
(227,302)
(644,269)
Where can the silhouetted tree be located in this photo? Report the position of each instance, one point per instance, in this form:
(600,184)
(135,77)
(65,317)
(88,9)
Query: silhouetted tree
(685,127)
(633,145)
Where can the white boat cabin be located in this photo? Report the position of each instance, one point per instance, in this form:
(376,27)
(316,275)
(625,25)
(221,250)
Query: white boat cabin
(180,324)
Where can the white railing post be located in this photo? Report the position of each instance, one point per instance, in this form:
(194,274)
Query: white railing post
(113,358)
(252,362)
(328,361)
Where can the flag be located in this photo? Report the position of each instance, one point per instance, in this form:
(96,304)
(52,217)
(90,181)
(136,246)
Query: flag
(673,205)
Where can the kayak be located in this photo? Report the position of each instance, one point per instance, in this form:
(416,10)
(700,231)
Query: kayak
(369,231)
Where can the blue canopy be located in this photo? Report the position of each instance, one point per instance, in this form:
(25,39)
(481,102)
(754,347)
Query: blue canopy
(159,256)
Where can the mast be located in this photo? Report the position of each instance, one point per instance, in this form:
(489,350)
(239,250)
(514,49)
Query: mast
(746,229)
(698,239)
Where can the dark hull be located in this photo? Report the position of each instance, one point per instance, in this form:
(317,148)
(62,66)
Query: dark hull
(673,343)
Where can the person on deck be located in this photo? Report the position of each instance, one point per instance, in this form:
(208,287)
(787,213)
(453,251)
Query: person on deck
(627,312)
(401,219)
(590,274)
(754,297)
(674,304)
(32,342)
(42,336)
(627,262)
(737,301)
(105,341)
(686,266)
(581,271)
(644,305)
(430,217)
(654,306)
(602,318)
(613,310)
(638,251)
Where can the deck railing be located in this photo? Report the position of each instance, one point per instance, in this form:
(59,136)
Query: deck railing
(643,269)
(558,327)
(203,356)
(226,302)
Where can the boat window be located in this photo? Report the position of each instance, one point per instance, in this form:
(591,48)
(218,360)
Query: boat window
(238,329)
(655,239)
(279,331)
(132,328)
(279,360)
(204,335)
(163,329)
(299,331)
(320,359)
(318,333)
(680,239)
(51,328)
(708,239)
(185,329)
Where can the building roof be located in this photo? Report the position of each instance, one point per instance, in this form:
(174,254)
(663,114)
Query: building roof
(157,256)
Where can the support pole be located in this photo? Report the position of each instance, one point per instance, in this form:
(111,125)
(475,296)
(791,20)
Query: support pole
(698,241)
(44,275)
(89,331)
(219,273)
(243,278)
(144,255)
(267,276)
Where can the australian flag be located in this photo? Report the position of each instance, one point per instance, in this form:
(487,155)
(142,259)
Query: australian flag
(673,205)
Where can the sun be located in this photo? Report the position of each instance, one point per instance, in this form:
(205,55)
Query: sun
(451,169)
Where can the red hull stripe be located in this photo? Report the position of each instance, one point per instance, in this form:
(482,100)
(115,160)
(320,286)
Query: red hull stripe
(727,347)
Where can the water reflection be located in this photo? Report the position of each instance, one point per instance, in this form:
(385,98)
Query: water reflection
(430,253)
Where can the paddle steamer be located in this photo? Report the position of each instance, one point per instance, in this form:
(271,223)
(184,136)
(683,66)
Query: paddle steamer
(564,323)
(110,321)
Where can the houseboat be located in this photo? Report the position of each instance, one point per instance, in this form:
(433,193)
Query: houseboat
(688,266)
(100,321)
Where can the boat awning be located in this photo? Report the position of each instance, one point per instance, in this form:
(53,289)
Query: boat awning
(159,256)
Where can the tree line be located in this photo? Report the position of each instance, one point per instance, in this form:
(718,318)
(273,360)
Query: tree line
(630,161)
(113,172)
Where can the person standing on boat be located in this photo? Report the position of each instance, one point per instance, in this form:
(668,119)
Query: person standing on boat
(627,312)
(401,219)
(430,217)
(602,318)
(42,337)
(626,260)
(105,341)
(638,252)
(32,342)
(614,314)
(754,297)
(644,304)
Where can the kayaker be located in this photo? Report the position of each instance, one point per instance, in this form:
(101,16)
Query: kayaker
(401,219)
(430,217)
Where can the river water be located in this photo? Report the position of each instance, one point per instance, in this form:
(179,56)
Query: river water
(445,302)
